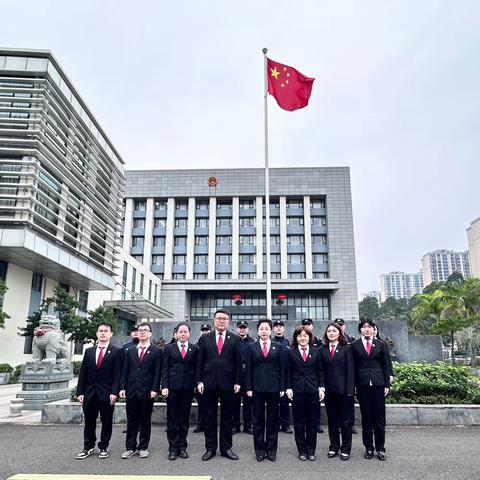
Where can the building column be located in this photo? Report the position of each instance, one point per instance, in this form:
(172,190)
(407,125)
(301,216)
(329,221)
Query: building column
(259,237)
(235,239)
(147,241)
(283,237)
(212,228)
(190,238)
(127,225)
(307,228)
(167,275)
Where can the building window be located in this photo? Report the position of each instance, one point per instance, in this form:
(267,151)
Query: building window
(200,259)
(274,203)
(138,258)
(224,205)
(248,204)
(158,259)
(247,240)
(134,279)
(295,240)
(124,274)
(223,276)
(274,221)
(137,241)
(223,222)
(180,223)
(246,259)
(140,205)
(178,276)
(294,221)
(246,276)
(247,222)
(158,241)
(274,240)
(318,221)
(223,259)
(180,241)
(181,205)
(160,222)
(319,239)
(138,223)
(200,276)
(83,301)
(296,275)
(156,294)
(224,240)
(201,240)
(36,281)
(319,258)
(317,203)
(202,204)
(201,222)
(150,290)
(160,203)
(296,258)
(142,281)
(179,259)
(320,275)
(294,203)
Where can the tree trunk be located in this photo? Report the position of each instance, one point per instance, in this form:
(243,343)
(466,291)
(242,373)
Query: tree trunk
(453,347)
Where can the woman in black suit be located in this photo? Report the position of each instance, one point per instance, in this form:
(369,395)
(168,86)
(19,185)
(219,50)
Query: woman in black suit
(305,388)
(337,364)
(265,383)
(178,383)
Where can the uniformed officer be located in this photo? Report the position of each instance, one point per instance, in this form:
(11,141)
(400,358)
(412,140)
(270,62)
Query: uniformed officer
(245,342)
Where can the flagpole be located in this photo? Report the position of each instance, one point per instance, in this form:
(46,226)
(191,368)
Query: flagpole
(267,196)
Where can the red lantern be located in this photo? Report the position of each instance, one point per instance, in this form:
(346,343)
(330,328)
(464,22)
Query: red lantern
(237,298)
(281,297)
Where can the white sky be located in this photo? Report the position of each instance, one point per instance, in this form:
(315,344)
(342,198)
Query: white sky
(396,98)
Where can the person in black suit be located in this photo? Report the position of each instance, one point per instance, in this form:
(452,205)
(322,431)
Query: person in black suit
(97,390)
(242,397)
(305,388)
(372,382)
(337,365)
(218,375)
(140,384)
(205,328)
(178,384)
(265,383)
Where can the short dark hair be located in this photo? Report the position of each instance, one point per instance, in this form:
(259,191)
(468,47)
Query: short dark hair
(341,338)
(363,321)
(265,320)
(145,324)
(181,324)
(298,331)
(105,324)
(221,310)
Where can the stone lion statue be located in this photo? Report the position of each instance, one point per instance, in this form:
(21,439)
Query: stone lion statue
(49,344)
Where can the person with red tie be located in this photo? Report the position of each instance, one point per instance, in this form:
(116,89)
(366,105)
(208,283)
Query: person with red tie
(265,384)
(178,384)
(97,390)
(219,366)
(140,384)
(305,388)
(372,383)
(337,365)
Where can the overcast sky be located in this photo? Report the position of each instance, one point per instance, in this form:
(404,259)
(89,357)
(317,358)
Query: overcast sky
(396,98)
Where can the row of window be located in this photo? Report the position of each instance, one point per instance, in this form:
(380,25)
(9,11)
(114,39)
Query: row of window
(246,276)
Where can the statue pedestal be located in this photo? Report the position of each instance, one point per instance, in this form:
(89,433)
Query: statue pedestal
(43,383)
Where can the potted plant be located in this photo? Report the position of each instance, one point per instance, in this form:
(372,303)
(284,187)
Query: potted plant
(5,371)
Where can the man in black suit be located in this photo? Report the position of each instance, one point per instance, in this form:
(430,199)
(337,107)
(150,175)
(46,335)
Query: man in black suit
(140,385)
(218,375)
(372,382)
(97,390)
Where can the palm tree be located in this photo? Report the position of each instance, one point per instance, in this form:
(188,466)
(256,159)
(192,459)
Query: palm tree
(427,310)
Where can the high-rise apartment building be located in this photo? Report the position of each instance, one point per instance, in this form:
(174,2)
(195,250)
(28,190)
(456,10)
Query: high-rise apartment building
(438,265)
(400,285)
(473,234)
(374,294)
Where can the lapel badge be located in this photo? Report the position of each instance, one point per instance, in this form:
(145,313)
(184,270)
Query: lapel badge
(148,351)
(309,356)
(189,349)
(228,336)
(273,348)
(108,351)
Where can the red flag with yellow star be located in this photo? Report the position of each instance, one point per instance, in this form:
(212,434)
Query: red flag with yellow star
(290,88)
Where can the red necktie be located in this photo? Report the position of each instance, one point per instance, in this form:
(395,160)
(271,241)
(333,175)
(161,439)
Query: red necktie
(100,357)
(220,343)
(264,349)
(183,351)
(332,351)
(142,353)
(368,346)
(304,354)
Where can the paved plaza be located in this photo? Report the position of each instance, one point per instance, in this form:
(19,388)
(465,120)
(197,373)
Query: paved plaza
(437,453)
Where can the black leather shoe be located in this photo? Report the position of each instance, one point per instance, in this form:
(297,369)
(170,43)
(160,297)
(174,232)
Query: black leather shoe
(230,454)
(260,458)
(272,457)
(172,456)
(287,429)
(183,454)
(331,454)
(198,429)
(344,456)
(368,454)
(311,457)
(208,455)
(354,431)
(382,456)
(303,458)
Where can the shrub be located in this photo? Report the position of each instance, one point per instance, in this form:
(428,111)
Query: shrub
(430,383)
(6,368)
(76,368)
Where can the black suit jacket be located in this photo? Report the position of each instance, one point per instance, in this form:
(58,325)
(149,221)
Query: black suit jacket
(304,377)
(339,372)
(140,378)
(179,373)
(371,370)
(219,371)
(103,381)
(265,374)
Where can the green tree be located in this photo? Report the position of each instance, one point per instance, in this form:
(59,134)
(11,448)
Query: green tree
(427,310)
(33,320)
(3,315)
(369,308)
(86,330)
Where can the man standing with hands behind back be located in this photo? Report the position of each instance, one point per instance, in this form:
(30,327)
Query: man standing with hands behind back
(219,363)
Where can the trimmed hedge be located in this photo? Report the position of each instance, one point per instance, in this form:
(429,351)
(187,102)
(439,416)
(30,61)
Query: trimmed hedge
(433,383)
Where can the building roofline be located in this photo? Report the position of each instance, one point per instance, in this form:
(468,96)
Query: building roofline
(230,169)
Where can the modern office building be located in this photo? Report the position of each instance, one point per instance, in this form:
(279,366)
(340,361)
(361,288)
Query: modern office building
(202,232)
(473,235)
(374,294)
(400,285)
(438,265)
(61,192)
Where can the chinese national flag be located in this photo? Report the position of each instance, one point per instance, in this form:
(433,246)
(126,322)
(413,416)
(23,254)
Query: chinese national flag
(290,88)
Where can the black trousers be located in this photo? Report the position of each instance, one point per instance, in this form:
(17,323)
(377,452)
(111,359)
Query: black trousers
(246,411)
(226,398)
(139,421)
(372,407)
(339,414)
(179,404)
(318,416)
(265,434)
(91,409)
(304,417)
(201,413)
(284,412)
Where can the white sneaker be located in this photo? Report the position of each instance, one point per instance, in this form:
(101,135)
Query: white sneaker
(129,453)
(85,453)
(103,453)
(143,453)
